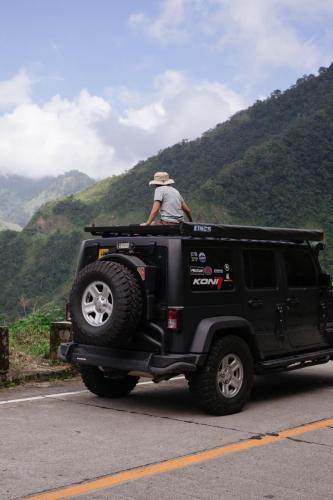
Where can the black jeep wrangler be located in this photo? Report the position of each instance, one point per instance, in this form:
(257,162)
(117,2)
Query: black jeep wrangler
(216,303)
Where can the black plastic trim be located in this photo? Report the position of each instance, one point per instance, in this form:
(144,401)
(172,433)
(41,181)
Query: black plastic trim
(297,358)
(129,361)
(209,326)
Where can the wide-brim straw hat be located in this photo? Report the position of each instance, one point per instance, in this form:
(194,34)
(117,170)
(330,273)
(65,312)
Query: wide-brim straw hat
(161,179)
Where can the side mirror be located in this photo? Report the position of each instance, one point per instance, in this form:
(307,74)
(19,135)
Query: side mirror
(325,280)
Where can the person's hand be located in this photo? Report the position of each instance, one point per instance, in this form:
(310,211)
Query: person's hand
(144,224)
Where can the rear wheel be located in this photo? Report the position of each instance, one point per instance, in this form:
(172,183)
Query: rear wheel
(95,380)
(106,304)
(223,385)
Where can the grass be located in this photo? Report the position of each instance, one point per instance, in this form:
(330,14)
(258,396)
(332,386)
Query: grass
(31,334)
(96,192)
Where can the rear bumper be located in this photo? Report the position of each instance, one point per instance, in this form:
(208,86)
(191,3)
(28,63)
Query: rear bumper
(129,361)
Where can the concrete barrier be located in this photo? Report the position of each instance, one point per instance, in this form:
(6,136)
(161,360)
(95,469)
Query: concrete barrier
(4,353)
(60,331)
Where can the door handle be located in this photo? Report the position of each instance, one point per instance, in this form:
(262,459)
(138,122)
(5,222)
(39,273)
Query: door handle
(255,303)
(292,301)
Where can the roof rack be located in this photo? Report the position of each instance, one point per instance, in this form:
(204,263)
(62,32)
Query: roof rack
(204,230)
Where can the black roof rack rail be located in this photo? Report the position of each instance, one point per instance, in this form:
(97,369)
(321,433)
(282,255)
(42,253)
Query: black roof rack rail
(134,230)
(204,230)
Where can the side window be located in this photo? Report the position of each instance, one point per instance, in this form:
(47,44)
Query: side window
(210,269)
(260,269)
(300,270)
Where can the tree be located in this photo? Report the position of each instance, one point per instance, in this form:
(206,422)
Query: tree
(24,303)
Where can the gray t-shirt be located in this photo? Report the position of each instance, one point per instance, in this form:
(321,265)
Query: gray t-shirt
(171,203)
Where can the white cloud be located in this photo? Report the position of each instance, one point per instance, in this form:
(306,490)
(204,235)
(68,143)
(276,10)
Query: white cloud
(170,83)
(122,95)
(53,138)
(87,133)
(167,27)
(183,108)
(147,118)
(264,34)
(258,34)
(172,113)
(15,91)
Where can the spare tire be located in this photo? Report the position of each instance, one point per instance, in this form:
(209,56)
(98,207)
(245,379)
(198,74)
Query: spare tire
(106,304)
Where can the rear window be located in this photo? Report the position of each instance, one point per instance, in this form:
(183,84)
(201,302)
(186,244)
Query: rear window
(300,269)
(210,269)
(260,269)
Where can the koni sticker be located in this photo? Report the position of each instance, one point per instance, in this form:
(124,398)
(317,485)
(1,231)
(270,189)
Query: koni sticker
(214,282)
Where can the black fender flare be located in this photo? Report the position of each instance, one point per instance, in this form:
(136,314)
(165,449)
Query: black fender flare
(207,328)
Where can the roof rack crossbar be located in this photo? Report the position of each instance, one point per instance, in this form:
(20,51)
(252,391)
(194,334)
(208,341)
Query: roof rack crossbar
(203,230)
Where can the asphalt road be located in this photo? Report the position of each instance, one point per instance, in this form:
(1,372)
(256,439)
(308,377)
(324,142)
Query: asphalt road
(58,436)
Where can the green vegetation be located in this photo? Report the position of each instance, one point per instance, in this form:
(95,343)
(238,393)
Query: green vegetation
(31,334)
(20,197)
(271,164)
(96,192)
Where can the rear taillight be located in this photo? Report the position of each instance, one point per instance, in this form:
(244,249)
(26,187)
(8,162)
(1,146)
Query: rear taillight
(174,316)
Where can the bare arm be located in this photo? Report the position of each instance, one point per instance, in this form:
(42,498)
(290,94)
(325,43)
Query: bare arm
(154,212)
(187,211)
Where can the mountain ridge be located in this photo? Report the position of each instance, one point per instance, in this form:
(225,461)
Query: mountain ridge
(21,197)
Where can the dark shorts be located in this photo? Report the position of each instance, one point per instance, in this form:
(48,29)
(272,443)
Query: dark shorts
(167,223)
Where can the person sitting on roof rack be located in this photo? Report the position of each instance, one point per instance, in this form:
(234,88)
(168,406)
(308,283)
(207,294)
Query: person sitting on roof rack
(167,201)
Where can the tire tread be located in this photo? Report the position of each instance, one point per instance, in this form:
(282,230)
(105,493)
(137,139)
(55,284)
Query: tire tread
(202,384)
(128,303)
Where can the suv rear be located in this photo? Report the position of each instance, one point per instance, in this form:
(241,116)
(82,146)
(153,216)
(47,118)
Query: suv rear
(216,303)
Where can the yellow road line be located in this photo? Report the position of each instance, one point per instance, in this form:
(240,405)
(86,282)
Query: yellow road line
(178,463)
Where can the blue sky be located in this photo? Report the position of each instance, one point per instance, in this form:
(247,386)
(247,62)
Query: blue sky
(98,85)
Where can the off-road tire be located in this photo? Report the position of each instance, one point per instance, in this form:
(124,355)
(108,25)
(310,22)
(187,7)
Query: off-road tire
(127,304)
(203,384)
(105,387)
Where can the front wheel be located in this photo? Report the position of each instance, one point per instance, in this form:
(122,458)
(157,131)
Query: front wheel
(223,385)
(95,380)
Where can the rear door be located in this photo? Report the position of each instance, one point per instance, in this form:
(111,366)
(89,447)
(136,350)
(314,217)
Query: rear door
(211,284)
(263,298)
(302,298)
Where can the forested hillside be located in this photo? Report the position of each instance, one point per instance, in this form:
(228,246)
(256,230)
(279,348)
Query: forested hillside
(21,197)
(270,164)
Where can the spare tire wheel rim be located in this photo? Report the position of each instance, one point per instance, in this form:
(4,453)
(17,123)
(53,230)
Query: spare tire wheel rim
(230,375)
(97,303)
